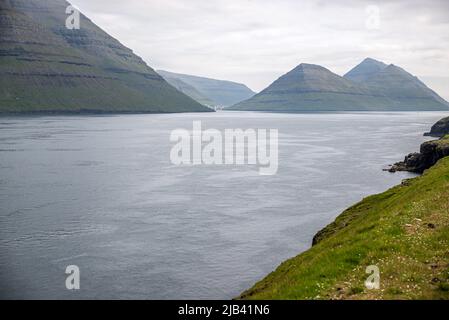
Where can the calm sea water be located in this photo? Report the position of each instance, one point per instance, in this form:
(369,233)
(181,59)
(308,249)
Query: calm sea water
(101,193)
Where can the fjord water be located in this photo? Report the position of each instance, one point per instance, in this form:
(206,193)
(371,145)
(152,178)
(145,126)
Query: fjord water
(100,192)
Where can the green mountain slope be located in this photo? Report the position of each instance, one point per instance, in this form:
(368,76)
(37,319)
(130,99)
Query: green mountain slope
(365,69)
(44,67)
(189,90)
(406,90)
(371,86)
(311,87)
(222,93)
(404,231)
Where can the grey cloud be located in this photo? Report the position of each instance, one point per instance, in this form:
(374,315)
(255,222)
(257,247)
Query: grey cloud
(255,41)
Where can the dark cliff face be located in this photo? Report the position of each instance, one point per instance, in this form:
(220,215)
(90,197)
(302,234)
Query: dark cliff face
(439,129)
(45,67)
(431,152)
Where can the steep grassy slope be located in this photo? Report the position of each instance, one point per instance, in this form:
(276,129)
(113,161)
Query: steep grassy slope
(223,93)
(405,90)
(44,67)
(189,90)
(311,87)
(365,70)
(404,231)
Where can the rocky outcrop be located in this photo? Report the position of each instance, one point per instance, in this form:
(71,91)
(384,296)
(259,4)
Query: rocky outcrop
(430,153)
(439,129)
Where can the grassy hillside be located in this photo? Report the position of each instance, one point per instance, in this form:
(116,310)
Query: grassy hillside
(371,86)
(221,92)
(189,90)
(404,231)
(44,67)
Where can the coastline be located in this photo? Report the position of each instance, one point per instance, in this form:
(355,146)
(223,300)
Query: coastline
(403,230)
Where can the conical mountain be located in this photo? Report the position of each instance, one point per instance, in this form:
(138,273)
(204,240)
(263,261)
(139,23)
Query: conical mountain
(310,87)
(45,67)
(365,69)
(310,78)
(404,89)
(371,86)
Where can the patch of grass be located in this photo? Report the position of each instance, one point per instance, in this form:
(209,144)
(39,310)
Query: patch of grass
(443,287)
(404,231)
(394,291)
(356,290)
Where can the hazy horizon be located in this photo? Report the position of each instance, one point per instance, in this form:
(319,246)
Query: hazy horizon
(255,42)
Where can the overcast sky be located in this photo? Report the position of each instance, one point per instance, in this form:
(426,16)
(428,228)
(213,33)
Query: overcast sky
(256,41)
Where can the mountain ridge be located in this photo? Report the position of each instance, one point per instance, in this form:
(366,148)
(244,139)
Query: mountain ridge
(220,92)
(370,86)
(46,68)
(364,69)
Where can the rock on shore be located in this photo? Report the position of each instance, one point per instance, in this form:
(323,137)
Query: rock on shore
(439,129)
(430,153)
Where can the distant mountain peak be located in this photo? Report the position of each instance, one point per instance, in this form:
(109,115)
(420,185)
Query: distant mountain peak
(370,86)
(365,69)
(371,60)
(309,67)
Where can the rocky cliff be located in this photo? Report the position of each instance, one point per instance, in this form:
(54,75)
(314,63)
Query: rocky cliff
(430,153)
(439,129)
(403,232)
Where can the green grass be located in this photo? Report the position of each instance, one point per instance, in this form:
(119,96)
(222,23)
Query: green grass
(45,68)
(404,231)
(443,142)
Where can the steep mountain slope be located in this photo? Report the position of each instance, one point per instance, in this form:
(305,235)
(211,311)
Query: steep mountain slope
(311,87)
(221,92)
(365,69)
(45,67)
(189,90)
(371,86)
(406,90)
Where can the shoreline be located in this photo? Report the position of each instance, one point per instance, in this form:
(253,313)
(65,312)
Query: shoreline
(297,278)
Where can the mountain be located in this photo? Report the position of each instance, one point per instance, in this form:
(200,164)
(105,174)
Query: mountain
(371,86)
(365,69)
(189,90)
(405,90)
(45,67)
(311,87)
(221,92)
